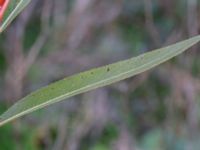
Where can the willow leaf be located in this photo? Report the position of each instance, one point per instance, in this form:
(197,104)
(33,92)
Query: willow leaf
(14,8)
(93,79)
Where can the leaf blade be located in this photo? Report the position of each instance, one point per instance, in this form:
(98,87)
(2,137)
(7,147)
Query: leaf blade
(14,8)
(93,79)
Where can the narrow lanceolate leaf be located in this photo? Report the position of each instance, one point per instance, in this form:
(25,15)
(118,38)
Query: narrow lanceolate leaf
(12,10)
(93,79)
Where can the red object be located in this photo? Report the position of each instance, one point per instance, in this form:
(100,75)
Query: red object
(3,7)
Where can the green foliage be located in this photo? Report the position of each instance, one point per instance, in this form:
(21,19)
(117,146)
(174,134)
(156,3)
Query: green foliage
(152,141)
(7,132)
(153,115)
(14,8)
(93,79)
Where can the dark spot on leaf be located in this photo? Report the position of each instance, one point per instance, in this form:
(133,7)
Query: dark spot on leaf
(92,72)
(108,69)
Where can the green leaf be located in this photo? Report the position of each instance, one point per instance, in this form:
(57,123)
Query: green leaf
(14,8)
(93,79)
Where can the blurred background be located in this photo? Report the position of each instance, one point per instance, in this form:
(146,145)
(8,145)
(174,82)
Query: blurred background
(52,39)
